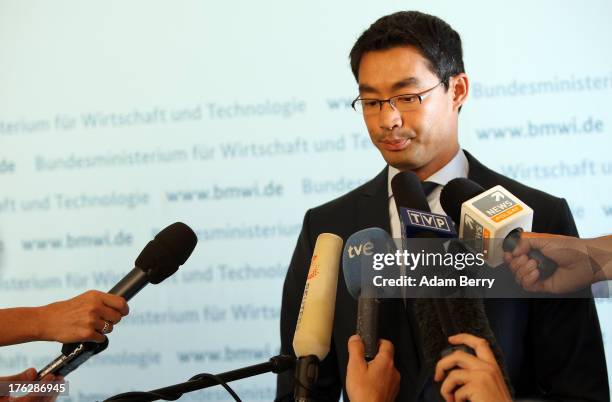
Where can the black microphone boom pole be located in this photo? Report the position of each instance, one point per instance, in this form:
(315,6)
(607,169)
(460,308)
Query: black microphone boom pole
(276,364)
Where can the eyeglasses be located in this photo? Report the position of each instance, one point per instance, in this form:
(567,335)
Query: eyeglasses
(401,103)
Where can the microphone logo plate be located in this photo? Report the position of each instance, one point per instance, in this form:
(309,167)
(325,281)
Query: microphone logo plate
(497,206)
(428,220)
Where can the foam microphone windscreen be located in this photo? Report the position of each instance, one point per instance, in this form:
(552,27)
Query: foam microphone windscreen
(163,255)
(434,341)
(469,317)
(315,321)
(455,193)
(408,192)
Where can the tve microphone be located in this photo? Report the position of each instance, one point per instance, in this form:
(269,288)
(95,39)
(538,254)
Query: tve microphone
(312,338)
(160,258)
(491,221)
(357,267)
(415,216)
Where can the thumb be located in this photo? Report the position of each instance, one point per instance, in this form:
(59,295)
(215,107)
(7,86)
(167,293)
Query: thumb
(530,241)
(356,351)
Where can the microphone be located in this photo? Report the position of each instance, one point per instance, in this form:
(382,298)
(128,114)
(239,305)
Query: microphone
(159,259)
(440,318)
(357,267)
(491,221)
(423,227)
(312,337)
(414,212)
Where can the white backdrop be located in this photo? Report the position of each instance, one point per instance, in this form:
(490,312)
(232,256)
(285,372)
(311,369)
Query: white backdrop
(118,118)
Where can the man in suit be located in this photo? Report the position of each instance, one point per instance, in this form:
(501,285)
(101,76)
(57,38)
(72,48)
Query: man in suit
(412,84)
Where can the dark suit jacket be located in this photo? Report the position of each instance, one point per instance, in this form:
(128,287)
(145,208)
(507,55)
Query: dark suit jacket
(552,348)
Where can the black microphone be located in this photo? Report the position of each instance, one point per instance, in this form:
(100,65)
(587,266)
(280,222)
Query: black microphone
(357,263)
(409,194)
(433,339)
(160,258)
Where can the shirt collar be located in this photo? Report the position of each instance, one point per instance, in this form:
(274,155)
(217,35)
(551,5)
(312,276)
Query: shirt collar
(456,167)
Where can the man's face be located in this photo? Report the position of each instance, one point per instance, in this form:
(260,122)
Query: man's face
(421,140)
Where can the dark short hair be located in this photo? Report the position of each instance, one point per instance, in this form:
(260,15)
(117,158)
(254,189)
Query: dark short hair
(437,41)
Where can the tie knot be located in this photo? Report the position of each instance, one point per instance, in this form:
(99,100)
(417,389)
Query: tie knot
(428,187)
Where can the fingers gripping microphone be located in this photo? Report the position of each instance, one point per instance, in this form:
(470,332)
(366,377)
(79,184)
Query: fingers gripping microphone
(357,263)
(491,221)
(312,338)
(160,258)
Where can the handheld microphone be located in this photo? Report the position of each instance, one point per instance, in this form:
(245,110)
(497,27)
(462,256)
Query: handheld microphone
(438,319)
(415,215)
(159,259)
(312,338)
(427,231)
(491,221)
(357,263)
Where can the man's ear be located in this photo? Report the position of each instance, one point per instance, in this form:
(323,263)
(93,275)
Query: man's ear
(459,87)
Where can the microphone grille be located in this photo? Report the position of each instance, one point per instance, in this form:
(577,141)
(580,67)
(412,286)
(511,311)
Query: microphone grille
(408,192)
(455,193)
(170,248)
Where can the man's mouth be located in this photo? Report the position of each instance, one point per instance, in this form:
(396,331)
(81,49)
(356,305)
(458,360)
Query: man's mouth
(395,144)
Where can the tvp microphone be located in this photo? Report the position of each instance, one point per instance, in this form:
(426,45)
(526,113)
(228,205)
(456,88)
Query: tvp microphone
(160,258)
(357,267)
(312,338)
(415,216)
(491,221)
(418,222)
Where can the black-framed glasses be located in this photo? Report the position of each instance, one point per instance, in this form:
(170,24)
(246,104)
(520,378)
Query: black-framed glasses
(401,103)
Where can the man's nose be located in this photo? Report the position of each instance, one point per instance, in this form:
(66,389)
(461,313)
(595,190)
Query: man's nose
(389,118)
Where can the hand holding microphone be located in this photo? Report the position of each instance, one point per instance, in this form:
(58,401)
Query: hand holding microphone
(374,381)
(159,259)
(580,262)
(471,378)
(86,317)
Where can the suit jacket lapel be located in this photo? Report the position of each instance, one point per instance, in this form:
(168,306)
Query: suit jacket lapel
(373,204)
(478,172)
